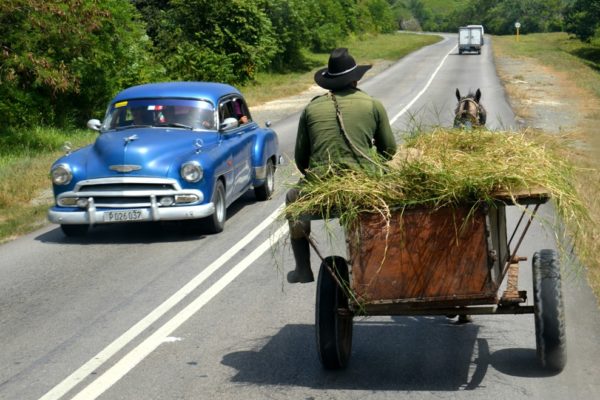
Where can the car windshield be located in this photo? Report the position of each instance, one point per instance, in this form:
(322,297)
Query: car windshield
(177,113)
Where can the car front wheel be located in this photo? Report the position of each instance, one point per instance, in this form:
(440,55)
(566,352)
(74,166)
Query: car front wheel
(265,191)
(216,222)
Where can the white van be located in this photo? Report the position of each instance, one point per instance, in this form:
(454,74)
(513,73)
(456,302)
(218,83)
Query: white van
(480,27)
(469,40)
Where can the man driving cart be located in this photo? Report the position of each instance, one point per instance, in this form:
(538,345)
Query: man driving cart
(343,128)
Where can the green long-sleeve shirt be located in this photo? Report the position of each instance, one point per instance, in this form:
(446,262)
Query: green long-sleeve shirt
(320,143)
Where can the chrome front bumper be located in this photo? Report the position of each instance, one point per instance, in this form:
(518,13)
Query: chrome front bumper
(92,216)
(125,197)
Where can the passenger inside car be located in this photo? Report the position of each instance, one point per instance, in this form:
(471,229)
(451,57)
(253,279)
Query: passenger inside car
(234,108)
(238,110)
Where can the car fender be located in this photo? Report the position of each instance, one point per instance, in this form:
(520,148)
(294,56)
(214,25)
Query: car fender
(215,164)
(265,147)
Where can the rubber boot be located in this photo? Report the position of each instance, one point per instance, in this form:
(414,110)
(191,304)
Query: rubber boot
(303,273)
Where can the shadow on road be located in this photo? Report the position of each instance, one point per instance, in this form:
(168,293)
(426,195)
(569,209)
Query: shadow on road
(408,353)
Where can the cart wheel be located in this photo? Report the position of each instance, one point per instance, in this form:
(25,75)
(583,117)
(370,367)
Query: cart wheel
(549,311)
(334,330)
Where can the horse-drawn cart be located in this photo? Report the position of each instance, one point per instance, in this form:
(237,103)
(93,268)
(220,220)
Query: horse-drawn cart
(448,261)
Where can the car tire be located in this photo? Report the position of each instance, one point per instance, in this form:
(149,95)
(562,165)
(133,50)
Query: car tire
(74,230)
(265,191)
(216,222)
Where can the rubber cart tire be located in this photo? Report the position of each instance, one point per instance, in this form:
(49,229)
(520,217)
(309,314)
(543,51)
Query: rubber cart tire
(549,311)
(333,319)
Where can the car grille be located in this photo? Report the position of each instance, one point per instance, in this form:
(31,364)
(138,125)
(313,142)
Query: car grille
(125,187)
(124,192)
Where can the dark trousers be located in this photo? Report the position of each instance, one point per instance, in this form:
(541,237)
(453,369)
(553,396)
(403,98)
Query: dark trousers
(298,229)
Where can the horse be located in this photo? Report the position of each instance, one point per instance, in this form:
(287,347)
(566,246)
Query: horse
(469,112)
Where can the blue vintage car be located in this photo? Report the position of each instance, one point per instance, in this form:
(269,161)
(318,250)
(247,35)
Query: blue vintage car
(166,151)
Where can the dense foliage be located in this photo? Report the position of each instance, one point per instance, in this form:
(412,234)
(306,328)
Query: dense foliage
(61,60)
(233,41)
(580,17)
(583,19)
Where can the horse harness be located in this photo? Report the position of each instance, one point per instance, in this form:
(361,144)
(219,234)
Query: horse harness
(465,112)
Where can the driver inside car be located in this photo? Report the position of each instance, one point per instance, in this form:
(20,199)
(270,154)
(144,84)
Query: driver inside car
(141,116)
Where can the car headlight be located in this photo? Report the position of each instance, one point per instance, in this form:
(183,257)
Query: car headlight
(191,171)
(61,174)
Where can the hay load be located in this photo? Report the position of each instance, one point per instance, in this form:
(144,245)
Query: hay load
(449,167)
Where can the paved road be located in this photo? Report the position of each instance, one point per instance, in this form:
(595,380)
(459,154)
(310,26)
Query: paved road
(144,312)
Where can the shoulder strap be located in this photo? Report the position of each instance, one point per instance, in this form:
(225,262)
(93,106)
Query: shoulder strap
(340,120)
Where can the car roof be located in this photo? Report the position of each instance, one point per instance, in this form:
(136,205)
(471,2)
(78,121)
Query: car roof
(185,90)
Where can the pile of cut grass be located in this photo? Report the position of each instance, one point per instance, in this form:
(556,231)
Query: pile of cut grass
(449,167)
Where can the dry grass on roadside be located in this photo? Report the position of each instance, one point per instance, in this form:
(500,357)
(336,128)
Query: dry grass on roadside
(587,184)
(578,82)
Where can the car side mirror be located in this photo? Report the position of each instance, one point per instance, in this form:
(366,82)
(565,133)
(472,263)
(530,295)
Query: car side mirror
(94,125)
(229,123)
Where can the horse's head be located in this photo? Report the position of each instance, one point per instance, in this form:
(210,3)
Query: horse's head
(469,112)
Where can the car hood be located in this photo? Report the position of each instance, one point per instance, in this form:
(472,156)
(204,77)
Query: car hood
(145,152)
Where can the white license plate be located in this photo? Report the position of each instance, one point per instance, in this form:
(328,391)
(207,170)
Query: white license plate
(124,216)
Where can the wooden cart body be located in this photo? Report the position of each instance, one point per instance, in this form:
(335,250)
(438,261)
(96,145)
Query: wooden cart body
(425,257)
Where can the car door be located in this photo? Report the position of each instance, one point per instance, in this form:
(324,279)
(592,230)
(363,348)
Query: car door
(239,141)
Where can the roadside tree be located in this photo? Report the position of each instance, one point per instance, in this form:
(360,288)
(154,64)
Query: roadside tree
(62,60)
(583,19)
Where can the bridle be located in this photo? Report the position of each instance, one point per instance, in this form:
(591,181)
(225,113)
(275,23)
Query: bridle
(465,113)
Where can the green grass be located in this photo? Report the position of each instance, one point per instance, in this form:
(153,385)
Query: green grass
(24,176)
(443,7)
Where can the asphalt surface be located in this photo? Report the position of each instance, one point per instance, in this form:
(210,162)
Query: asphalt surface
(146,312)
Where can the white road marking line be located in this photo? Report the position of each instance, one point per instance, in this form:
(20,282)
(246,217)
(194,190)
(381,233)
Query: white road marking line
(135,356)
(118,344)
(172,339)
(423,90)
